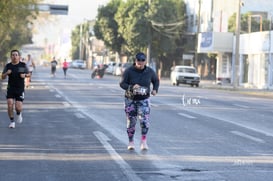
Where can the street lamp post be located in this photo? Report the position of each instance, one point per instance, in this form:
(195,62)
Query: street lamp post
(236,60)
(270,66)
(197,34)
(150,41)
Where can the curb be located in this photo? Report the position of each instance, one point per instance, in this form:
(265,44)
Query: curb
(246,91)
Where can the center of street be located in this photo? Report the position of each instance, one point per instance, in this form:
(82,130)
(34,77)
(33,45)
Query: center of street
(78,123)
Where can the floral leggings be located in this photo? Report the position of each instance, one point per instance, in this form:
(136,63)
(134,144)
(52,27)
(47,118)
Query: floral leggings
(137,110)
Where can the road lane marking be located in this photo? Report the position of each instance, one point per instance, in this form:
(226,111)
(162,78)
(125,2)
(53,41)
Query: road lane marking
(186,115)
(73,76)
(154,105)
(238,133)
(66,104)
(79,115)
(240,105)
(130,174)
(125,167)
(58,96)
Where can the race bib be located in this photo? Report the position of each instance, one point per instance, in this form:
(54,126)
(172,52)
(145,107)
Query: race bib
(140,91)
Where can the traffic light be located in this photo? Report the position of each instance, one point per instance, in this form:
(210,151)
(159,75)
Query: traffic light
(58,9)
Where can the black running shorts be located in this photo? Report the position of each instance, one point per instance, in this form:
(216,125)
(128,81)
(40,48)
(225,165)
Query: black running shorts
(18,95)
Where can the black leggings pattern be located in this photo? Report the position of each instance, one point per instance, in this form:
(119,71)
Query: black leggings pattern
(137,110)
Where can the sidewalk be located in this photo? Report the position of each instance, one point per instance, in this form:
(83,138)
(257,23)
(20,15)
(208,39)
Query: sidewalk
(211,84)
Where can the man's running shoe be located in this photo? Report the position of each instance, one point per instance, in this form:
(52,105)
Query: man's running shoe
(12,125)
(143,145)
(131,145)
(19,118)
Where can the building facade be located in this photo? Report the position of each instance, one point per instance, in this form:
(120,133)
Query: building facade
(255,52)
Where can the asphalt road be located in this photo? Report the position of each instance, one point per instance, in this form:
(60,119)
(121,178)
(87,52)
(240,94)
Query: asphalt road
(75,129)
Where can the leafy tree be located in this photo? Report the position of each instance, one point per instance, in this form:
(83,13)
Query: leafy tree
(162,23)
(255,25)
(168,24)
(106,27)
(15,16)
(134,25)
(76,36)
(75,40)
(129,26)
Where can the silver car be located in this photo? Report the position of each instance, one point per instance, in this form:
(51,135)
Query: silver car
(80,64)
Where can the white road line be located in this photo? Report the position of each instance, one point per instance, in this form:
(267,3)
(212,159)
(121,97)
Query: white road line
(126,169)
(58,96)
(116,133)
(186,115)
(79,115)
(154,105)
(66,104)
(240,105)
(73,76)
(238,133)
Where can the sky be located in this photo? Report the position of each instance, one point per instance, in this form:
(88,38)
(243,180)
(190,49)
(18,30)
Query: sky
(61,25)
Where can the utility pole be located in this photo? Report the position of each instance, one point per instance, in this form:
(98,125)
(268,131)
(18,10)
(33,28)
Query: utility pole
(270,66)
(197,33)
(150,39)
(236,62)
(80,49)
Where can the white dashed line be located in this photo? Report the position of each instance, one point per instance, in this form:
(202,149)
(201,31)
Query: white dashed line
(239,105)
(127,170)
(79,115)
(238,133)
(154,105)
(58,96)
(186,115)
(66,104)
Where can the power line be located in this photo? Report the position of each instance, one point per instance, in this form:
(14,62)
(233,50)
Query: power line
(168,29)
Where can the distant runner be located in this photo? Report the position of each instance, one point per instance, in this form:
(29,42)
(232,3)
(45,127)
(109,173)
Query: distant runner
(54,64)
(65,67)
(31,66)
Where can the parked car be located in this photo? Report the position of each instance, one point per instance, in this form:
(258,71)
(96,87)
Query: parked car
(125,66)
(184,75)
(80,64)
(117,69)
(110,68)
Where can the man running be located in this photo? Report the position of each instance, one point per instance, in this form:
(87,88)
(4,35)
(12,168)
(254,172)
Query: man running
(54,64)
(16,71)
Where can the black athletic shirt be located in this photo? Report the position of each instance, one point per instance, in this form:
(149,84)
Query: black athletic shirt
(14,80)
(144,77)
